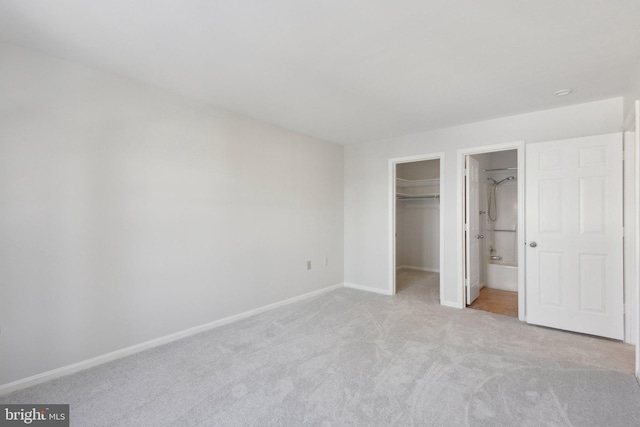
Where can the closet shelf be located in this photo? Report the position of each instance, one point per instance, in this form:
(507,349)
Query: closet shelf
(401,182)
(404,196)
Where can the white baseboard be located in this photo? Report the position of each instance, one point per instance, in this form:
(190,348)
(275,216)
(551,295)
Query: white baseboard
(410,267)
(367,288)
(504,287)
(108,357)
(451,304)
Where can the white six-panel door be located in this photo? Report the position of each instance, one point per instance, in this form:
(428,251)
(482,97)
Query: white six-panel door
(574,258)
(473,237)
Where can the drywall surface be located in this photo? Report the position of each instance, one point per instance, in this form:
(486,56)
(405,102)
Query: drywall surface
(418,234)
(130,214)
(367,181)
(630,97)
(425,169)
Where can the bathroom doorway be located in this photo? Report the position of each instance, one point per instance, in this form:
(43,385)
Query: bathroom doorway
(492,225)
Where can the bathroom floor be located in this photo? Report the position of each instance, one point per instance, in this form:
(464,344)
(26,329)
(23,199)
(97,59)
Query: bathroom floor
(497,301)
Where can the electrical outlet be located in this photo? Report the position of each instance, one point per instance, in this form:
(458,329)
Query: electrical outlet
(308,265)
(326,262)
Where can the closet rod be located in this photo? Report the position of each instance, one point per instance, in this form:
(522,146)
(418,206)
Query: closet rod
(499,169)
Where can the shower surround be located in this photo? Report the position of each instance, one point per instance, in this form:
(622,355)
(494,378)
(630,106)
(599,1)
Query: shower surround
(501,231)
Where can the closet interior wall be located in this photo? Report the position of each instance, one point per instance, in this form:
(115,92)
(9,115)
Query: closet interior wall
(418,217)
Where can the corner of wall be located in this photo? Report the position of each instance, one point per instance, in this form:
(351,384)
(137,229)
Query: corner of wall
(631,95)
(367,288)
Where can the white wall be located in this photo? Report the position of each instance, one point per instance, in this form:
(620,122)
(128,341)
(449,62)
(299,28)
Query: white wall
(128,214)
(418,230)
(630,97)
(366,181)
(425,169)
(503,159)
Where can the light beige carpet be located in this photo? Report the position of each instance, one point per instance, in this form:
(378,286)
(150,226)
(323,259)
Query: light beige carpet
(355,358)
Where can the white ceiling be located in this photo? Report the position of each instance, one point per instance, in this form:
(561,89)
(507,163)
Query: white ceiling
(348,70)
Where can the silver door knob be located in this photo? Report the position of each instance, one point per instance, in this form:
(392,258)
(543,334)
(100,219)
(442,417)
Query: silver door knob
(480,236)
(533,244)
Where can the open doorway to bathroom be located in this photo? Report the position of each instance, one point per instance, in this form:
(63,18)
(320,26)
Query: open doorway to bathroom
(492,232)
(416,227)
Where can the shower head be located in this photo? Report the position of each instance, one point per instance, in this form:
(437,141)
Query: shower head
(509,178)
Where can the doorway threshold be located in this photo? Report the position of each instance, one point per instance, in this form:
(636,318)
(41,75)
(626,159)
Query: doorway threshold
(497,301)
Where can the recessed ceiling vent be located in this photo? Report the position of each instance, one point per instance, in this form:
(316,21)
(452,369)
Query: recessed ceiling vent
(562,92)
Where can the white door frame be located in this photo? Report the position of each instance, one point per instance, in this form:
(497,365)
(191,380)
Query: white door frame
(637,236)
(392,215)
(519,146)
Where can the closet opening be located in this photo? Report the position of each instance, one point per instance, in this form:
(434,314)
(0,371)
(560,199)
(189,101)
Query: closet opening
(416,227)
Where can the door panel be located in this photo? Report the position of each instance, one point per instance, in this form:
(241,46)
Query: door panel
(550,268)
(574,216)
(550,202)
(473,229)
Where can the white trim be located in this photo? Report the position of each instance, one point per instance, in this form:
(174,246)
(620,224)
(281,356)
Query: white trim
(522,267)
(629,237)
(108,357)
(452,304)
(410,267)
(367,288)
(637,219)
(520,147)
(392,215)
